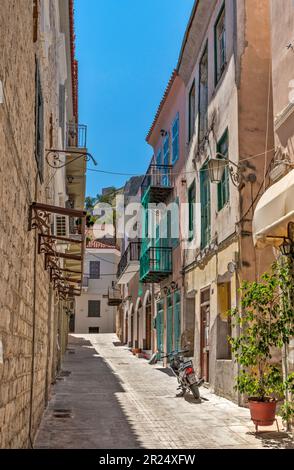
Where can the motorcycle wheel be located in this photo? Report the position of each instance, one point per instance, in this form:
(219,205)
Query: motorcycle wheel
(195,391)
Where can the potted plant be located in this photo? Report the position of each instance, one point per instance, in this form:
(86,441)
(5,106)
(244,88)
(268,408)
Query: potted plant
(265,324)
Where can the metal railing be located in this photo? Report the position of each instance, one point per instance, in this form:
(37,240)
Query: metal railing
(132,253)
(76,135)
(159,176)
(156,260)
(114,296)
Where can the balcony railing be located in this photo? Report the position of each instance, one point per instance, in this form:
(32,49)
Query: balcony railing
(156,264)
(114,296)
(159,181)
(132,253)
(76,135)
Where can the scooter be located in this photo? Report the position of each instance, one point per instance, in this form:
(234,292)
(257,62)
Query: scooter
(185,373)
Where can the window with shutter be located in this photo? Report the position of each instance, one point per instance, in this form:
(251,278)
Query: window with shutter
(191,202)
(61,226)
(62,109)
(93,308)
(166,161)
(223,188)
(94,269)
(35,20)
(220,45)
(192,110)
(94,330)
(175,139)
(39,124)
(203,95)
(205,206)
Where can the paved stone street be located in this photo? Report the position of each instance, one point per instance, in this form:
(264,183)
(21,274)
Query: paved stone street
(107,398)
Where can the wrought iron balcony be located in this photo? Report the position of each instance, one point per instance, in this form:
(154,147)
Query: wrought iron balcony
(114,297)
(158,182)
(129,263)
(76,135)
(156,264)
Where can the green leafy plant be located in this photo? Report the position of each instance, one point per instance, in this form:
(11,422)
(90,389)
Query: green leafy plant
(265,321)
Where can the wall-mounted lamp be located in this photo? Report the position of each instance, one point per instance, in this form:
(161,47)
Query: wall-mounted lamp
(287,247)
(173,285)
(216,168)
(165,290)
(70,179)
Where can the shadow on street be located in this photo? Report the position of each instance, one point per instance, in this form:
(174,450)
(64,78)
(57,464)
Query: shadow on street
(84,411)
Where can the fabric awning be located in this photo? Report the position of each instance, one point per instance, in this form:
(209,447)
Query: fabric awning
(273,212)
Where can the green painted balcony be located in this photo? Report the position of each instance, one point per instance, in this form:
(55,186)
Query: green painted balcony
(157,184)
(155,264)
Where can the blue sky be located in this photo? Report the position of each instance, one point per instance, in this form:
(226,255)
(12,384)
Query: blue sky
(126,50)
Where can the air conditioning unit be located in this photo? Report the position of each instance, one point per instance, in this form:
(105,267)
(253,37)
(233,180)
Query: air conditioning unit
(61,226)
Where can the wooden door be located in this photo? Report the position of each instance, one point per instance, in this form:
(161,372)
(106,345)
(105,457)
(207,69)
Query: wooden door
(204,333)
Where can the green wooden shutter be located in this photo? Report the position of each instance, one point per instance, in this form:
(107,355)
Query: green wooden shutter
(159,328)
(205,206)
(223,188)
(177,320)
(191,201)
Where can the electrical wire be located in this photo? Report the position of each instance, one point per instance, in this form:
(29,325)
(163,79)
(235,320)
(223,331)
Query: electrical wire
(102,259)
(173,173)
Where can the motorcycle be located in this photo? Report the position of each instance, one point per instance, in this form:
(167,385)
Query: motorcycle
(185,373)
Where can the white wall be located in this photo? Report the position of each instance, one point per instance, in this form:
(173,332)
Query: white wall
(97,290)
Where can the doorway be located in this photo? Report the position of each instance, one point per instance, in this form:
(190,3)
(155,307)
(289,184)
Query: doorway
(132,330)
(204,333)
(169,325)
(148,327)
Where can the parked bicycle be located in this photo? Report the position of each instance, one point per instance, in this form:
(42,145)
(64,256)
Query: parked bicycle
(184,371)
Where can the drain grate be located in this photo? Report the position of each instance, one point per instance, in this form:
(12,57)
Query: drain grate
(64,373)
(62,413)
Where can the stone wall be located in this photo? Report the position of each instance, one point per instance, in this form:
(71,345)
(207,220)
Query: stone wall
(27,304)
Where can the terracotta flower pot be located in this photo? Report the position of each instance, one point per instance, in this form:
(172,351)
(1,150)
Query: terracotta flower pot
(263,413)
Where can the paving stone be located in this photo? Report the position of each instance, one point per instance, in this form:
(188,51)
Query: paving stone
(134,406)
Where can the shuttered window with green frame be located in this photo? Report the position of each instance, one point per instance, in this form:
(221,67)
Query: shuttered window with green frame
(205,206)
(223,188)
(191,202)
(173,225)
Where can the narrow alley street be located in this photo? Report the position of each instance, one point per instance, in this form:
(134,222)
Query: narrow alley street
(107,398)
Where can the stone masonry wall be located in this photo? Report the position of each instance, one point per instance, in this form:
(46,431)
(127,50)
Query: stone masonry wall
(27,313)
